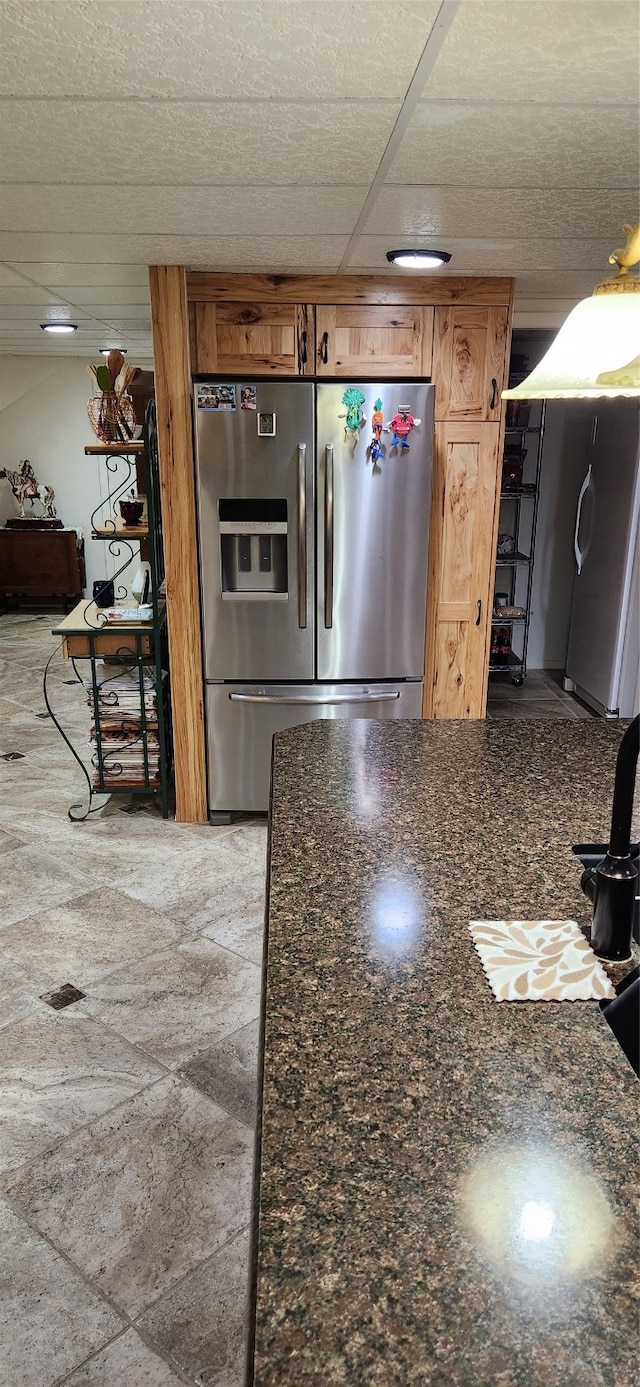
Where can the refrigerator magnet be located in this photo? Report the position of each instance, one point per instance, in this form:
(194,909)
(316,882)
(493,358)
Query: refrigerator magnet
(376,451)
(400,428)
(267,425)
(218,397)
(353,400)
(248,397)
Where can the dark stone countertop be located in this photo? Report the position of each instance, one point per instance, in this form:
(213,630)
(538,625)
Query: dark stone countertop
(446,1183)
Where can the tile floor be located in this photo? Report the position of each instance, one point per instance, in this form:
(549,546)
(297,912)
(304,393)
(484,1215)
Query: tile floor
(127,1127)
(541,696)
(126,1133)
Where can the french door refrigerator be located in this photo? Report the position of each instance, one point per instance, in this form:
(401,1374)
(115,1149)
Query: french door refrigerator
(604,632)
(313,516)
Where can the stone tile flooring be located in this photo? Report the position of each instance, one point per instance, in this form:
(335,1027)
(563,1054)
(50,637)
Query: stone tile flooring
(126,1130)
(126,1120)
(541,696)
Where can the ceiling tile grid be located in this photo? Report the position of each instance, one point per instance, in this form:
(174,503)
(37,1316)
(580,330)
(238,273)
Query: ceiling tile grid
(306,135)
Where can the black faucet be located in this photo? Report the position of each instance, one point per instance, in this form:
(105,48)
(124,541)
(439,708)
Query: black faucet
(612,885)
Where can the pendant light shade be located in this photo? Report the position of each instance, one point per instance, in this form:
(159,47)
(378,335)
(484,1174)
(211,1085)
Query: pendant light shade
(597,350)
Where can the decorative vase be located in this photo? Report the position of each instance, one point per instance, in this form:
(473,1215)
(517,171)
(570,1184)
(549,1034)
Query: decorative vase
(111,417)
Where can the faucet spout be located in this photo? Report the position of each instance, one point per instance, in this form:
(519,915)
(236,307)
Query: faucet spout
(616,877)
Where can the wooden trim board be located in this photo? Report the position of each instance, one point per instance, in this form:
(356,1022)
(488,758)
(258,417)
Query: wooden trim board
(170,324)
(207,287)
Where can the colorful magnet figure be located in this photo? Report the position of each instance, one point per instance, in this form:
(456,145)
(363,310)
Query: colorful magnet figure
(401,425)
(353,400)
(376,450)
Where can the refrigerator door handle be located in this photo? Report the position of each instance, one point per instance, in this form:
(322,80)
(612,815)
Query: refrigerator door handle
(302,535)
(577,550)
(384,697)
(328,537)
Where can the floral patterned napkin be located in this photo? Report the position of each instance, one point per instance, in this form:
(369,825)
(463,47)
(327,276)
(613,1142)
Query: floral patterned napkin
(539,961)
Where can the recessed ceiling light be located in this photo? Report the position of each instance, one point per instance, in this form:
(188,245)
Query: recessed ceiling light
(59,327)
(418,259)
(105,351)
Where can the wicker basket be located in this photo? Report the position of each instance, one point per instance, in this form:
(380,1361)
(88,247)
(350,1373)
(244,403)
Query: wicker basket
(111,417)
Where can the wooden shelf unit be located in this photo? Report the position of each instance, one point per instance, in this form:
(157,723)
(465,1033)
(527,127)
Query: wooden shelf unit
(116,529)
(132,649)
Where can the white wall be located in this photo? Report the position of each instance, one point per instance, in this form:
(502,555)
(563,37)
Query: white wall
(43,417)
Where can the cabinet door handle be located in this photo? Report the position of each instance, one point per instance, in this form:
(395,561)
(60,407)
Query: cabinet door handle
(303,349)
(479,610)
(324,348)
(579,553)
(494,393)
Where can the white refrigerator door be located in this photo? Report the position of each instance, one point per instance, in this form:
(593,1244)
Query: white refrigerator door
(606,538)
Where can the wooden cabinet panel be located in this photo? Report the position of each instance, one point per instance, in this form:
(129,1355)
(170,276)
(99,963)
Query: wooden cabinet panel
(256,338)
(374,340)
(42,563)
(461,565)
(470,350)
(211,286)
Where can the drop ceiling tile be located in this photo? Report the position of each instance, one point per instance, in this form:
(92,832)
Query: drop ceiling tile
(8,276)
(545,315)
(511,146)
(17,315)
(89,294)
(570,284)
(189,143)
(192,211)
(118,312)
(24,294)
(501,212)
(51,311)
(241,252)
(54,274)
(214,49)
(129,324)
(544,50)
(498,257)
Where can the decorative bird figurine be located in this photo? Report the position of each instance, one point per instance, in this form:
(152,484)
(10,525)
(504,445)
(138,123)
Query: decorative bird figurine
(630,253)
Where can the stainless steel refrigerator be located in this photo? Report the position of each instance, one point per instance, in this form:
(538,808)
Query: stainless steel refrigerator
(604,634)
(313,562)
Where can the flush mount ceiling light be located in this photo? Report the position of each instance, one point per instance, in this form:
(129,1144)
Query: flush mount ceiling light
(418,259)
(597,350)
(106,351)
(59,327)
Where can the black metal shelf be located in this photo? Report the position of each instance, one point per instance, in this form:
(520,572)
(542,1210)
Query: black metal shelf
(136,651)
(508,665)
(509,560)
(514,571)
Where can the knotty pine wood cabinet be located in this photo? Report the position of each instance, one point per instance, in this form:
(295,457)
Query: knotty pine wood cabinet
(470,360)
(455,329)
(256,339)
(370,340)
(461,563)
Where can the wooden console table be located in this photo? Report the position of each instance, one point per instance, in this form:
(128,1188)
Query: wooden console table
(42,563)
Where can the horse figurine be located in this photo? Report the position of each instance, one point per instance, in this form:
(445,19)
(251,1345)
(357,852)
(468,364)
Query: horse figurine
(25,487)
